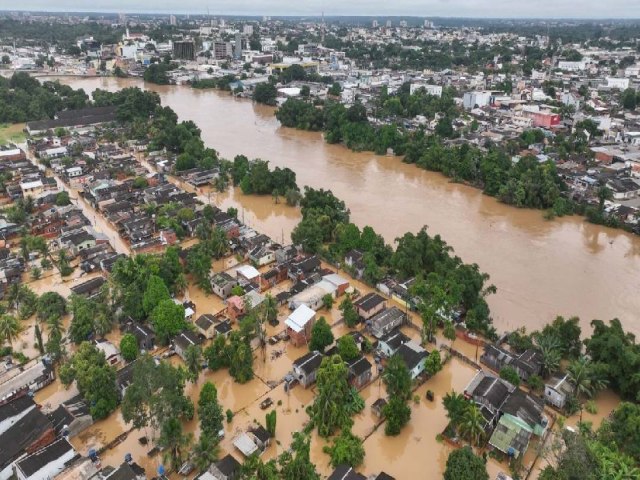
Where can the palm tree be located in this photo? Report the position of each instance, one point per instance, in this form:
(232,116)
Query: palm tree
(175,441)
(549,347)
(585,378)
(456,406)
(55,325)
(472,425)
(9,329)
(205,452)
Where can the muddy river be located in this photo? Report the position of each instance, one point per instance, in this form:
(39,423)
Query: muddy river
(541,268)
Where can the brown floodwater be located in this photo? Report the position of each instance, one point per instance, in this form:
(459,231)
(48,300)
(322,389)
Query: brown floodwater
(541,268)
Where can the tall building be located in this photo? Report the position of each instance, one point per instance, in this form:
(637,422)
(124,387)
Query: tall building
(247,30)
(185,50)
(388,23)
(172,20)
(374,24)
(237,49)
(222,50)
(403,24)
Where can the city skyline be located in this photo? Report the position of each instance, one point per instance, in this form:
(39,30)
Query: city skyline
(589,9)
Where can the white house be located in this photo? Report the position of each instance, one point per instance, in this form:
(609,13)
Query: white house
(111,353)
(413,356)
(557,390)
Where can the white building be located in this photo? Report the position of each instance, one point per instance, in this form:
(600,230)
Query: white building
(619,83)
(472,100)
(572,66)
(435,90)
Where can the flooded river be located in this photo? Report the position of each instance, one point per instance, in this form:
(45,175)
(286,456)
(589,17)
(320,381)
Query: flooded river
(541,268)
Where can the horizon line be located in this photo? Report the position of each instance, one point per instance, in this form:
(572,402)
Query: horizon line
(315,15)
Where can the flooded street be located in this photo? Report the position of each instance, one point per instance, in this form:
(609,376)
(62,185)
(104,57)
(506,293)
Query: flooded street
(541,268)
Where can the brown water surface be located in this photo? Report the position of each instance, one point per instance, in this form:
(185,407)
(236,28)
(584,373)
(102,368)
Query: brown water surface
(541,268)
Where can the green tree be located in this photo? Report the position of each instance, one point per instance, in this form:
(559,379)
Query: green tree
(217,354)
(397,414)
(265,93)
(629,99)
(9,329)
(463,464)
(329,409)
(472,425)
(321,335)
(550,350)
(156,394)
(347,348)
(296,462)
(168,320)
(433,363)
(449,332)
(346,449)
(96,380)
(586,377)
(155,292)
(270,423)
(205,452)
(129,347)
(210,411)
(175,441)
(193,359)
(241,360)
(62,199)
(327,301)
(456,406)
(397,378)
(51,304)
(510,375)
(349,313)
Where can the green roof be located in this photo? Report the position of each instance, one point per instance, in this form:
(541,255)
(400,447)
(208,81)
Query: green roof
(511,434)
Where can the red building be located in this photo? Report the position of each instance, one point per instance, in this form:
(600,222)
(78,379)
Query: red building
(544,120)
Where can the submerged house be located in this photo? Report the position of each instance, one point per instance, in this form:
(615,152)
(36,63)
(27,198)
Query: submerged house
(385,321)
(184,340)
(306,367)
(413,356)
(512,416)
(370,304)
(525,364)
(557,390)
(389,344)
(299,324)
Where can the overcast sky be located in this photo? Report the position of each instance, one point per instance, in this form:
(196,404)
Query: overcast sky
(447,8)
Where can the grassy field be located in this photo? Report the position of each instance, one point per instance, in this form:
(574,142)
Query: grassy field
(11,133)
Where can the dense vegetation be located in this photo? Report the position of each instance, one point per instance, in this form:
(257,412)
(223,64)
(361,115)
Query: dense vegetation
(23,98)
(527,183)
(444,284)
